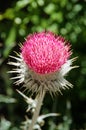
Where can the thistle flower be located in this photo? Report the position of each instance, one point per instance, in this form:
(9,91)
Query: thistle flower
(43,63)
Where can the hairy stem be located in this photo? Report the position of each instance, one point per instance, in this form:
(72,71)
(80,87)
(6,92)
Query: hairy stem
(37,110)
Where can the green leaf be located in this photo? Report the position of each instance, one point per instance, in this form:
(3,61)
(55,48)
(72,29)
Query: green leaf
(50,8)
(9,14)
(7,125)
(6,99)
(4,124)
(10,41)
(21,4)
(77,8)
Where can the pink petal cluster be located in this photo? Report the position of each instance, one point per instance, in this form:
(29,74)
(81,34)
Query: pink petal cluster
(45,52)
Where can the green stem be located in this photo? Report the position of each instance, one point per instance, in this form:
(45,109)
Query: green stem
(37,110)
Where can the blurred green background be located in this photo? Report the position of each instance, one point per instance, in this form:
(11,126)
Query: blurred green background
(18,18)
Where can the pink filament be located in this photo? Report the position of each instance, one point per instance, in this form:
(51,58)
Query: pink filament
(44,52)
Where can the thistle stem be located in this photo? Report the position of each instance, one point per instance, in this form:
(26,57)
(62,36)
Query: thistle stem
(37,110)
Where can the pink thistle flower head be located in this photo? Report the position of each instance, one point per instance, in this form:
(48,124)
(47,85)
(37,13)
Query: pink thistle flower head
(43,63)
(44,52)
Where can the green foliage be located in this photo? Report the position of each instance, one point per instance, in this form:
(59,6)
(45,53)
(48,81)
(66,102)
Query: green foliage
(19,18)
(6,99)
(6,125)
